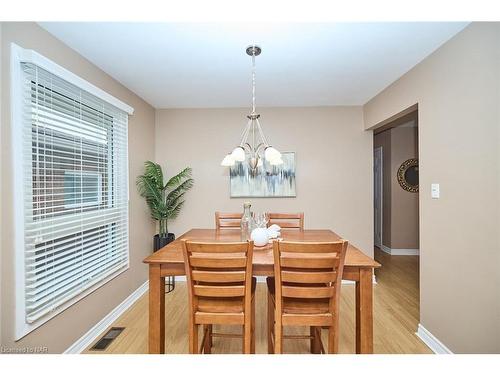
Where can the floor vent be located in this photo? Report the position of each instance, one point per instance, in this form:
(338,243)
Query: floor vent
(105,340)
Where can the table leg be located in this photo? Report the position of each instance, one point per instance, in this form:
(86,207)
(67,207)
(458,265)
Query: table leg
(315,345)
(156,310)
(364,312)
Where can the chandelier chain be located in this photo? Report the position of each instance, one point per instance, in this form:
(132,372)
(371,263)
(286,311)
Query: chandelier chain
(253,81)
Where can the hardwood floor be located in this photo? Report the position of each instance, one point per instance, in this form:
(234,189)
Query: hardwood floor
(396,316)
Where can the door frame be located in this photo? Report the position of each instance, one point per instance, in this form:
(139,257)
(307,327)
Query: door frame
(380,149)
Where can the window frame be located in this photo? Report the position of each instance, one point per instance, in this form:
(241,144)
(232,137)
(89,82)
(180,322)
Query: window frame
(20,55)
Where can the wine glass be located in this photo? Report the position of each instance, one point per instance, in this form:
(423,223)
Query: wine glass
(256,219)
(265,219)
(261,219)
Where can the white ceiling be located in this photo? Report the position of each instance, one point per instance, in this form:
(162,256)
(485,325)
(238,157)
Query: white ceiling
(176,65)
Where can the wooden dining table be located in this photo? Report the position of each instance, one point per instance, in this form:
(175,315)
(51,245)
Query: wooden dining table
(169,261)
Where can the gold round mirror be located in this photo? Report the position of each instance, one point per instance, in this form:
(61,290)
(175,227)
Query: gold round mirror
(408,175)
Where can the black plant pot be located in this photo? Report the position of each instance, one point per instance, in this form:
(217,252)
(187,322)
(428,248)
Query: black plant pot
(161,241)
(158,243)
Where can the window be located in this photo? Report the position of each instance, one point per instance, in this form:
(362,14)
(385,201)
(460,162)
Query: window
(86,183)
(74,178)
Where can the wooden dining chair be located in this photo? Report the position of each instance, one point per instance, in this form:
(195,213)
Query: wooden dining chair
(227,220)
(305,292)
(288,221)
(221,290)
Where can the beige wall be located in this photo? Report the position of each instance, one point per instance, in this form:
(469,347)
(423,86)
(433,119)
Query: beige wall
(60,332)
(457,89)
(333,155)
(404,204)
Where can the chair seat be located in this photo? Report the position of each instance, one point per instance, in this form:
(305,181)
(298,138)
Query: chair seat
(299,305)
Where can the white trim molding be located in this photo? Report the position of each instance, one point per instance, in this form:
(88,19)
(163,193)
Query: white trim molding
(30,56)
(390,251)
(83,342)
(431,341)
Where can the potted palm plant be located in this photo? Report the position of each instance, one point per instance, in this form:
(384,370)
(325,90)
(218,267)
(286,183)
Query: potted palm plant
(165,200)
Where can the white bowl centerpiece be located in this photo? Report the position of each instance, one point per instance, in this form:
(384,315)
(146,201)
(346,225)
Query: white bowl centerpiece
(260,237)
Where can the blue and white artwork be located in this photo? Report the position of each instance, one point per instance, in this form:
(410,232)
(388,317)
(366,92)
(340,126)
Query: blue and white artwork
(266,181)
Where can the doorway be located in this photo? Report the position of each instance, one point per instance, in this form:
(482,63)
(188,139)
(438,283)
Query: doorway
(396,214)
(377,196)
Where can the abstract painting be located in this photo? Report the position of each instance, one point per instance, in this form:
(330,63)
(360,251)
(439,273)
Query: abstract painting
(266,181)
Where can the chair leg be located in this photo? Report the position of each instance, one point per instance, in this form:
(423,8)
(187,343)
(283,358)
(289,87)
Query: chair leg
(210,338)
(253,328)
(312,341)
(333,340)
(247,334)
(315,332)
(270,323)
(207,347)
(193,338)
(278,338)
(247,344)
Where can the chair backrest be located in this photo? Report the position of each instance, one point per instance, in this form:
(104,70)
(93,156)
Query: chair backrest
(227,220)
(308,271)
(287,220)
(219,275)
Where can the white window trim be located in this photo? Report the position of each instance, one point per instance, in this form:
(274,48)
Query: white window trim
(19,55)
(30,56)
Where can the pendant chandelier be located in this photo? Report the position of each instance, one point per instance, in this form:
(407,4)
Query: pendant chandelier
(253,146)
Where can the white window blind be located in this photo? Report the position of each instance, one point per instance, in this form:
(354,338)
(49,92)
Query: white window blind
(75,176)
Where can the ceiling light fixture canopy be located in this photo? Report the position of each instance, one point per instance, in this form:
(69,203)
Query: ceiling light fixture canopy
(253,146)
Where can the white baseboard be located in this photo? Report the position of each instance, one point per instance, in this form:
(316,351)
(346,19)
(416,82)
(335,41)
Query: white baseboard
(385,249)
(431,341)
(390,251)
(83,342)
(348,282)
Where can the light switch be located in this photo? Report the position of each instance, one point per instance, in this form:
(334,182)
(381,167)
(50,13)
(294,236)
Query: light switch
(435,191)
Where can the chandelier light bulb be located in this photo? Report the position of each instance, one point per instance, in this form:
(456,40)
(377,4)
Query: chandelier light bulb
(277,161)
(238,154)
(278,155)
(271,153)
(228,161)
